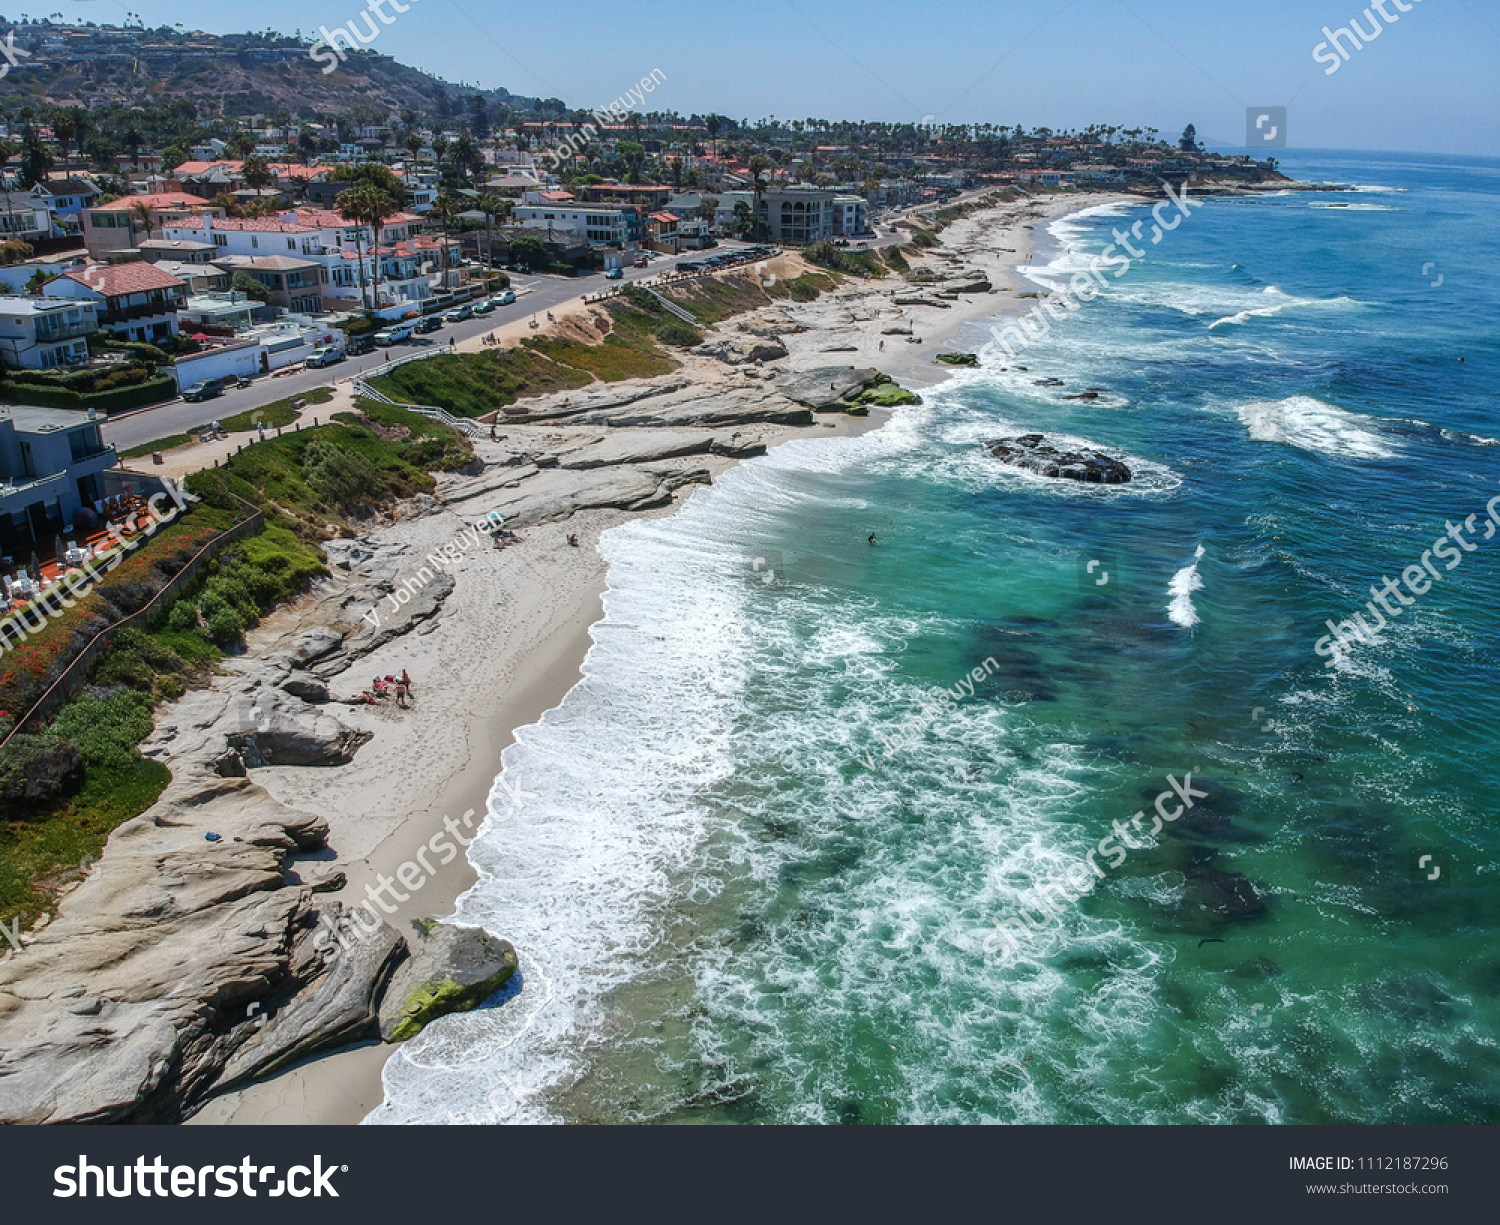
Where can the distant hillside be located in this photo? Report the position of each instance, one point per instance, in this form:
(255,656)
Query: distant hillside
(229,76)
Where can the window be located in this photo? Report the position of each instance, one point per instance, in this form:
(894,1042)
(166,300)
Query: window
(291,244)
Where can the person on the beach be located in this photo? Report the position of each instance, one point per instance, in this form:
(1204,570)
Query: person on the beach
(882,346)
(401,695)
(406,680)
(573,539)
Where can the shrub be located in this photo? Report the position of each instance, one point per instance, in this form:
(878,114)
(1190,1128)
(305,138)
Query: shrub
(225,628)
(106,729)
(183,617)
(676,332)
(344,479)
(35,770)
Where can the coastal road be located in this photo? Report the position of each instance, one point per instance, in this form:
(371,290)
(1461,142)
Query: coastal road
(536,295)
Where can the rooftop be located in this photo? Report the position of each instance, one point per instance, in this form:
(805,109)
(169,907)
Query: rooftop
(112,280)
(154,200)
(30,420)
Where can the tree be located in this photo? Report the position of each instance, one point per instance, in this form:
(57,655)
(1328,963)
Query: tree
(243,282)
(633,154)
(172,157)
(467,159)
(36,159)
(492,206)
(413,145)
(708,208)
(479,116)
(241,145)
(1189,141)
(758,166)
(257,172)
(529,251)
(366,206)
(445,209)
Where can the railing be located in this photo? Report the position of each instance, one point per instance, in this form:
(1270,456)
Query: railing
(71,679)
(682,313)
(361,387)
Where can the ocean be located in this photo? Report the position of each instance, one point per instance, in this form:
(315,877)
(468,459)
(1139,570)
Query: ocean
(764,873)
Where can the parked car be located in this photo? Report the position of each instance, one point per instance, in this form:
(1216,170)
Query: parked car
(328,355)
(356,345)
(203,391)
(614,274)
(394,335)
(485,307)
(458,314)
(429,324)
(507,296)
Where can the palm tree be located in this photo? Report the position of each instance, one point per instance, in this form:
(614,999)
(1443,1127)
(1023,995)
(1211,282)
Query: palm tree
(492,206)
(413,144)
(140,211)
(758,166)
(445,209)
(367,206)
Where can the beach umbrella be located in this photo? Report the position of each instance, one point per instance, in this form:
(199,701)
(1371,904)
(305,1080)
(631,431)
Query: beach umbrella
(57,542)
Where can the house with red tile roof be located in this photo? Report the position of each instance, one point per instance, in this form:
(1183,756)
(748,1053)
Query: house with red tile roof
(135,301)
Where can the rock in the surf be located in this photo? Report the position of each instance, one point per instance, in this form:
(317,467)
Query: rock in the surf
(1031,453)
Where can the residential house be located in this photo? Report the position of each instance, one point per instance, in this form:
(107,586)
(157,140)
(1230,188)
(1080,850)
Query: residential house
(661,232)
(50,465)
(44,333)
(67,197)
(403,265)
(199,278)
(25,216)
(135,301)
(851,215)
(293,284)
(117,227)
(595,223)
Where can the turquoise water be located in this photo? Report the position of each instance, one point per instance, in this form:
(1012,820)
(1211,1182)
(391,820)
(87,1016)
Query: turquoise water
(735,905)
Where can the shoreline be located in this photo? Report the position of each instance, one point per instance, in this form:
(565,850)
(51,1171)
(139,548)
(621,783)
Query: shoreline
(341,1087)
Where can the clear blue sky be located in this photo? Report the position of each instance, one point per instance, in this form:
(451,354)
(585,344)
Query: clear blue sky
(1430,81)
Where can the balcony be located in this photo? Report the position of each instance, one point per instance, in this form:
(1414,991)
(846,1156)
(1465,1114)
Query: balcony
(123,314)
(65,331)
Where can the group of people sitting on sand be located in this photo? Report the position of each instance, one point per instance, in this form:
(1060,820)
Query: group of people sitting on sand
(503,537)
(388,686)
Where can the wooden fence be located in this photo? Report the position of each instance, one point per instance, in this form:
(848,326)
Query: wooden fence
(73,676)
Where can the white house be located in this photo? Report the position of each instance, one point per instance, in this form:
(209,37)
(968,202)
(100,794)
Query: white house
(44,333)
(136,301)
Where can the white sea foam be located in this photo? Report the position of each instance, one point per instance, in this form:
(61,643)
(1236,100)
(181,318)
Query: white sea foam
(1181,588)
(1315,425)
(1273,301)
